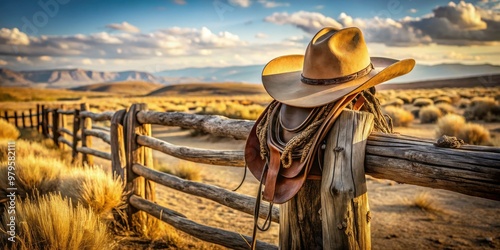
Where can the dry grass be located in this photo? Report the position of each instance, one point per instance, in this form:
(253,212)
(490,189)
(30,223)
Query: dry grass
(26,148)
(400,117)
(8,131)
(185,170)
(429,114)
(36,94)
(93,188)
(446,108)
(422,102)
(425,202)
(51,222)
(450,125)
(480,108)
(33,175)
(476,134)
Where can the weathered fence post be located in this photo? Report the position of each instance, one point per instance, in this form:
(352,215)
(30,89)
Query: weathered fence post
(76,128)
(55,128)
(118,156)
(6,114)
(44,121)
(23,118)
(86,123)
(137,154)
(63,124)
(31,119)
(344,200)
(333,213)
(15,119)
(38,118)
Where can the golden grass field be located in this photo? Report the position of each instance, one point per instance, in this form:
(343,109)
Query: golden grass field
(404,216)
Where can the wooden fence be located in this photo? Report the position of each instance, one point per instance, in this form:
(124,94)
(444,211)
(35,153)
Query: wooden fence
(351,152)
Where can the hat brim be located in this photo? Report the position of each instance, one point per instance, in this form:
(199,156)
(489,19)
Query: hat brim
(281,79)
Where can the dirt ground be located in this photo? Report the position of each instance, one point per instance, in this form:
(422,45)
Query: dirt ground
(456,221)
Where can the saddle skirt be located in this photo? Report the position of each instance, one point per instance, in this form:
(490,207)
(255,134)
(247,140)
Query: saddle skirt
(284,124)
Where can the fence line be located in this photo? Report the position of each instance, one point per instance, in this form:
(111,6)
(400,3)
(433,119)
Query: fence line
(471,170)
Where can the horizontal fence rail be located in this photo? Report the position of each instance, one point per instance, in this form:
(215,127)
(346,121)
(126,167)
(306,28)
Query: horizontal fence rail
(222,237)
(207,156)
(212,124)
(240,202)
(98,117)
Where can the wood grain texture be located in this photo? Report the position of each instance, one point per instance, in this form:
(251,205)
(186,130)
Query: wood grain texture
(86,124)
(76,137)
(471,170)
(90,151)
(117,142)
(344,202)
(212,124)
(231,240)
(240,202)
(98,117)
(99,134)
(207,156)
(300,219)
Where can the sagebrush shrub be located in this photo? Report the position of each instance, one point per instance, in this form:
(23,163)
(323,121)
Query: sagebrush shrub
(429,114)
(479,108)
(400,117)
(446,108)
(422,102)
(450,125)
(476,134)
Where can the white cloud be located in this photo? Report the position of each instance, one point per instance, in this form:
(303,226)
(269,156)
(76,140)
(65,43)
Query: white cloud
(86,61)
(261,35)
(413,10)
(273,4)
(3,62)
(173,41)
(45,58)
(240,3)
(124,26)
(23,60)
(310,22)
(13,37)
(453,24)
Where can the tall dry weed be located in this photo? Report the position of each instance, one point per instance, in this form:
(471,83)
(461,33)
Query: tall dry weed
(93,188)
(8,131)
(52,222)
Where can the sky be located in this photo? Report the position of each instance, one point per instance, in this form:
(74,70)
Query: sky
(154,35)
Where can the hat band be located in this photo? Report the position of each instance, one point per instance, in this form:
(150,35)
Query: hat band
(337,80)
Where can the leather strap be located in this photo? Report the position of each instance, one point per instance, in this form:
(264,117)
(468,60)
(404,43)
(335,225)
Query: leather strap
(272,173)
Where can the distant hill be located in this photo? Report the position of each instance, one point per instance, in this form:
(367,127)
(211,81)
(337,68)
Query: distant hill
(475,81)
(69,78)
(252,73)
(247,74)
(124,88)
(204,89)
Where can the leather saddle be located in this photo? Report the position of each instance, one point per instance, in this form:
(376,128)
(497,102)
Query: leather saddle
(284,124)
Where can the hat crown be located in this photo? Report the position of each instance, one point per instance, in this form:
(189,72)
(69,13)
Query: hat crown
(335,53)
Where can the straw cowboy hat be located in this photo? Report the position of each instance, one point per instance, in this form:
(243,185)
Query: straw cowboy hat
(336,64)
